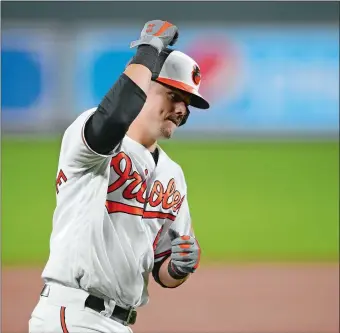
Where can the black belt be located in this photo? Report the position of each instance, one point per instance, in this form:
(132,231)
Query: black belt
(128,317)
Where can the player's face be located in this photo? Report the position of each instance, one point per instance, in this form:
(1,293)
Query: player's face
(169,108)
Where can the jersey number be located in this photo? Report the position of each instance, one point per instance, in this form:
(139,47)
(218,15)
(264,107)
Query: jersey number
(60,179)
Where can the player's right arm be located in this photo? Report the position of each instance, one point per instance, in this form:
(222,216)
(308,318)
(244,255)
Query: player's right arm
(108,125)
(177,251)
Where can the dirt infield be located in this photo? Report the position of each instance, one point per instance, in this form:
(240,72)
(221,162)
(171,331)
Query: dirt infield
(231,299)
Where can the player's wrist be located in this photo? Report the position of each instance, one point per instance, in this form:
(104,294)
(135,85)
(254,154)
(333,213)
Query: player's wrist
(175,273)
(146,55)
(154,42)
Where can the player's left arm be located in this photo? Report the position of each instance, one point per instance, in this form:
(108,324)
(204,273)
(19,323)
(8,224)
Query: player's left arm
(183,255)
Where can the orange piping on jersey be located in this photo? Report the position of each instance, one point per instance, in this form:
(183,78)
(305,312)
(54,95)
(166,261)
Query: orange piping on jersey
(162,254)
(158,215)
(155,242)
(62,320)
(83,134)
(118,207)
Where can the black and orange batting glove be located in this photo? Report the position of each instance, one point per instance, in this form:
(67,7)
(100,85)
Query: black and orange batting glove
(157,33)
(185,255)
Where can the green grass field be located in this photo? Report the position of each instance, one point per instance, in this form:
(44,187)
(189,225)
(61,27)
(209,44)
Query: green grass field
(249,201)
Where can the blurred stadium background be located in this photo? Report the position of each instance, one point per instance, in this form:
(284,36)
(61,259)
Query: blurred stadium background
(262,165)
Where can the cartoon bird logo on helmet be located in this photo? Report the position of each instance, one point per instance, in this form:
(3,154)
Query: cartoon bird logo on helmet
(196,75)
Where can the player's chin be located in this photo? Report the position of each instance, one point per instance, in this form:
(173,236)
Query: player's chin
(167,130)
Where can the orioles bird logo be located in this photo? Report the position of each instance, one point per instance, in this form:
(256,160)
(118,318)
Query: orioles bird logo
(196,75)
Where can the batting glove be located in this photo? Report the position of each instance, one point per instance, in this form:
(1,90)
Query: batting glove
(185,255)
(158,34)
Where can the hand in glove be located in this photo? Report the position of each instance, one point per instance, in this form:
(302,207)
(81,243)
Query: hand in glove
(185,255)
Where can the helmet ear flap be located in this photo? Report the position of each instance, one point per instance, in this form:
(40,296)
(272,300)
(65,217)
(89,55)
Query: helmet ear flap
(185,118)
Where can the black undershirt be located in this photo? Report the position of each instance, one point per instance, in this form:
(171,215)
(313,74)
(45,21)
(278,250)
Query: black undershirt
(155,155)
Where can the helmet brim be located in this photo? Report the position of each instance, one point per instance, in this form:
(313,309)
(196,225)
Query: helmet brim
(196,100)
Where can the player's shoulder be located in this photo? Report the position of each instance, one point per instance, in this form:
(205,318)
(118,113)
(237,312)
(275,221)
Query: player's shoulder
(85,115)
(80,119)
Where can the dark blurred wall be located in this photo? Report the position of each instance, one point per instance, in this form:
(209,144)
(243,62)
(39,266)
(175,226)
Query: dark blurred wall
(240,11)
(272,69)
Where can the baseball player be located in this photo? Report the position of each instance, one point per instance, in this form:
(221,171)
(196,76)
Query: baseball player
(122,207)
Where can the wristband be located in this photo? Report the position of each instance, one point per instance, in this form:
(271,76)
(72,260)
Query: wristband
(147,56)
(175,273)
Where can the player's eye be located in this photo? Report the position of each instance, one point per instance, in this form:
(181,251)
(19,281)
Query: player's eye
(176,97)
(173,96)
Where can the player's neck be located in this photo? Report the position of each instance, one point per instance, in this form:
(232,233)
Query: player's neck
(147,142)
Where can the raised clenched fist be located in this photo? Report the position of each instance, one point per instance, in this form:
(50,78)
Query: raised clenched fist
(158,34)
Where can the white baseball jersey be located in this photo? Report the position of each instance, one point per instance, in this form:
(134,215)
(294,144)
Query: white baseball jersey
(112,216)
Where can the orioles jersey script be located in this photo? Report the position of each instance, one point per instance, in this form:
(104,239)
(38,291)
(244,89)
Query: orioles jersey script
(112,216)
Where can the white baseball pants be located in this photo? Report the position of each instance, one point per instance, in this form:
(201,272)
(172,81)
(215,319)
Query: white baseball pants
(64,311)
